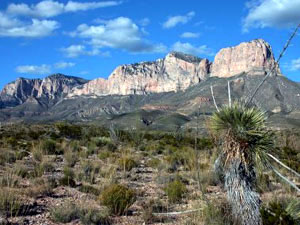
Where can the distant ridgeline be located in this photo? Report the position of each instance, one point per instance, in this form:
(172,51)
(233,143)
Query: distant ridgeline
(174,85)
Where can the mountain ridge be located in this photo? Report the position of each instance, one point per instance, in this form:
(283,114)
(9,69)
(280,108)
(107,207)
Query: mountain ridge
(168,89)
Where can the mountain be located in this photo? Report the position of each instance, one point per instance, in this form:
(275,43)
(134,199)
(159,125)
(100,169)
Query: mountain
(166,92)
(38,91)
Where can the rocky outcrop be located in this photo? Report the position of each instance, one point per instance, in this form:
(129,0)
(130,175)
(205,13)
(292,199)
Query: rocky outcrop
(29,90)
(177,71)
(255,56)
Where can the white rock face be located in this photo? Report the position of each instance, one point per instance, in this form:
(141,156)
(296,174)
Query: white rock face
(51,87)
(255,56)
(177,71)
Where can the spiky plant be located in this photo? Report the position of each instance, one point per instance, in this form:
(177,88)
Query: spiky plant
(245,141)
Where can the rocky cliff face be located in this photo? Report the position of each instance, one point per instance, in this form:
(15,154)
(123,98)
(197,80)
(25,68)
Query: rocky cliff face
(28,90)
(255,56)
(177,71)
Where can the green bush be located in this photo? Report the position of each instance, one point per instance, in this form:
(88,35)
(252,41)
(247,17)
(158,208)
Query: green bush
(67,179)
(94,217)
(10,204)
(175,191)
(65,213)
(219,213)
(275,214)
(68,130)
(49,147)
(7,157)
(118,198)
(89,189)
(127,163)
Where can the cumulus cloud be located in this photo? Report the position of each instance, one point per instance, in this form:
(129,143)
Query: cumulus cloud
(49,8)
(43,69)
(271,13)
(37,28)
(74,51)
(63,65)
(191,49)
(30,69)
(190,35)
(120,33)
(175,20)
(295,65)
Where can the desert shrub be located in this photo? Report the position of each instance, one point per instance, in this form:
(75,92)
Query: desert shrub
(71,158)
(90,216)
(49,147)
(264,183)
(68,130)
(67,179)
(117,198)
(21,154)
(89,189)
(37,154)
(151,207)
(12,141)
(275,214)
(10,203)
(65,213)
(218,213)
(47,166)
(21,170)
(154,163)
(112,147)
(103,155)
(7,157)
(127,163)
(89,171)
(9,179)
(40,188)
(102,141)
(175,191)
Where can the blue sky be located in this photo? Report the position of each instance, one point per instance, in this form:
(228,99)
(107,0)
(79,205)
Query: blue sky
(90,38)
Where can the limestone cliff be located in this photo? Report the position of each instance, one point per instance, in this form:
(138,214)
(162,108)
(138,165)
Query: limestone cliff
(255,56)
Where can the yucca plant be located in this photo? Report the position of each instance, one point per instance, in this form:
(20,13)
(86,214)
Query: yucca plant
(245,141)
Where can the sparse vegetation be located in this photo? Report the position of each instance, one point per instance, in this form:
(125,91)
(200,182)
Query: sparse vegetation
(118,198)
(112,175)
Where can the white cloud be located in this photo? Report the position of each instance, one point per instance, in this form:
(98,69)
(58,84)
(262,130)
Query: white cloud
(37,28)
(175,20)
(43,69)
(271,13)
(295,65)
(74,51)
(7,22)
(63,65)
(144,22)
(190,35)
(50,8)
(120,33)
(194,50)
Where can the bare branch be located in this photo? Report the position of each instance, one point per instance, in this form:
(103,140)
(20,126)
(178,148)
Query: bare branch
(282,164)
(275,65)
(212,94)
(229,93)
(177,213)
(285,179)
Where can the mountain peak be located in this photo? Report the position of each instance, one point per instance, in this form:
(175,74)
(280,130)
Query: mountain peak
(184,56)
(255,56)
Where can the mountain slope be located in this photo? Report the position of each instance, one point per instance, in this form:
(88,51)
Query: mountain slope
(37,91)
